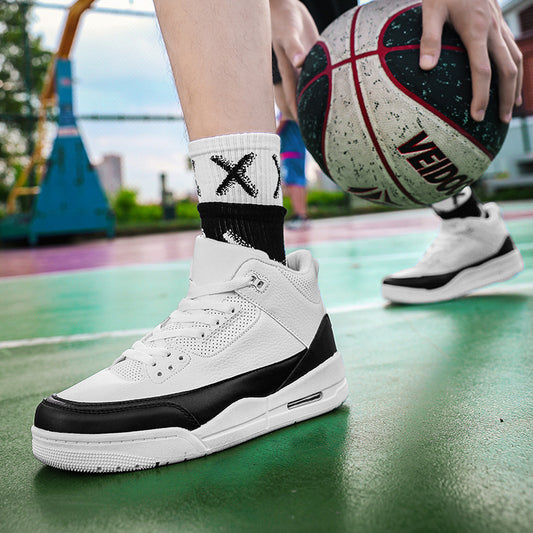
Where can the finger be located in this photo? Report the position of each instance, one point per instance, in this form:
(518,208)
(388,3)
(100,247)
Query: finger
(279,96)
(478,56)
(309,36)
(289,80)
(516,54)
(299,52)
(295,51)
(433,19)
(507,76)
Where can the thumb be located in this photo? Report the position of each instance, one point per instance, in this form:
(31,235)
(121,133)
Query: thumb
(433,19)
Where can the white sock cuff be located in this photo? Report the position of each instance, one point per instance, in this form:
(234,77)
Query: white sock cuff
(254,159)
(455,201)
(234,141)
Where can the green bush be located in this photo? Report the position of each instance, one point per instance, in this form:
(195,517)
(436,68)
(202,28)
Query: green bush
(502,195)
(326,198)
(147,213)
(124,203)
(321,200)
(128,210)
(185,209)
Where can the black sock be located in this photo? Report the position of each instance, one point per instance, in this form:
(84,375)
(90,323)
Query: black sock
(256,226)
(472,207)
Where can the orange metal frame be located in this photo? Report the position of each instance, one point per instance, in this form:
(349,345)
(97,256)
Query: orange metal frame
(47,100)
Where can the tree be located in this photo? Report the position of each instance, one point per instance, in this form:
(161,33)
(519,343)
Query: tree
(124,204)
(23,64)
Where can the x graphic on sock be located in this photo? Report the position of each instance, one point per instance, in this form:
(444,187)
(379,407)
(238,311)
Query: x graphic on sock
(236,174)
(278,184)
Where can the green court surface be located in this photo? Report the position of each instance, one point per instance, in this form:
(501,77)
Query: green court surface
(437,434)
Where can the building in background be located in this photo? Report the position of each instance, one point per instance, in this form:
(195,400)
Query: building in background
(110,172)
(513,166)
(519,17)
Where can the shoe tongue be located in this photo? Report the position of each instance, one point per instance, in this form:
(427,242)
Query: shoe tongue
(215,261)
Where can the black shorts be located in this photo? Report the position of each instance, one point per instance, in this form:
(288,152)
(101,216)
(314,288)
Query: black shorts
(324,12)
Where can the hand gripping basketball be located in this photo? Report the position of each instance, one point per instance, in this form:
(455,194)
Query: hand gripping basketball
(294,32)
(486,36)
(387,130)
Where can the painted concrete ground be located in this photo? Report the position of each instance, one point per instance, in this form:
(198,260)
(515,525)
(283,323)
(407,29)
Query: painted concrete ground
(437,434)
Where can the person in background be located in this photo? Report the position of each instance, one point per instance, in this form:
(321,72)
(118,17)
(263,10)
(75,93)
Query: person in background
(293,172)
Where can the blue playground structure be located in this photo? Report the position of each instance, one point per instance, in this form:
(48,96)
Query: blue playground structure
(69,199)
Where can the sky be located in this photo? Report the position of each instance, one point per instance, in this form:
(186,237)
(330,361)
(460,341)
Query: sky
(120,66)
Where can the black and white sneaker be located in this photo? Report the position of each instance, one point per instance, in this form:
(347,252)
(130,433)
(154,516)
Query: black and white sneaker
(249,350)
(467,254)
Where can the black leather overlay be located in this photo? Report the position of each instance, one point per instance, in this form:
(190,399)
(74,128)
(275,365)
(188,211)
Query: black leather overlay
(438,281)
(322,347)
(189,409)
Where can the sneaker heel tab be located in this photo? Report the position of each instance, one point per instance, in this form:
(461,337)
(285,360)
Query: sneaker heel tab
(316,266)
(302,261)
(491,209)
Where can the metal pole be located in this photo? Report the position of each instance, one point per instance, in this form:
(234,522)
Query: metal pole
(28,85)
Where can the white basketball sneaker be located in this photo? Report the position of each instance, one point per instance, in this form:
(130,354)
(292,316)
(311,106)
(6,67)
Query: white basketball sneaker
(467,254)
(249,350)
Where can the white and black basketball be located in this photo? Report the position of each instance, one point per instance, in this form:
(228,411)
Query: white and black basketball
(381,127)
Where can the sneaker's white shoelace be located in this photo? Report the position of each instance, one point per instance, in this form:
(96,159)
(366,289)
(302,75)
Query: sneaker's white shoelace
(195,311)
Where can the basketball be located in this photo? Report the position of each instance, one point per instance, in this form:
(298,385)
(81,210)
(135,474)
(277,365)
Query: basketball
(381,127)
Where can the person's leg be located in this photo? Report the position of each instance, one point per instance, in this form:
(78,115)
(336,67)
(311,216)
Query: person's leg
(228,104)
(292,156)
(472,250)
(250,349)
(298,195)
(222,68)
(293,170)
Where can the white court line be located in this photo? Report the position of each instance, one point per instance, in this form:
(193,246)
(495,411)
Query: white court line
(339,310)
(79,337)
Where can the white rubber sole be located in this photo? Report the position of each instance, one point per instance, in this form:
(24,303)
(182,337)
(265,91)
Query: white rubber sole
(319,391)
(498,269)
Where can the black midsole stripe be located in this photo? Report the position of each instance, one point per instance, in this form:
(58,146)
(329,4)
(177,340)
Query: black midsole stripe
(440,280)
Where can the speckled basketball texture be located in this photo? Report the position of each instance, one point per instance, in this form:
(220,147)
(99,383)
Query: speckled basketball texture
(381,127)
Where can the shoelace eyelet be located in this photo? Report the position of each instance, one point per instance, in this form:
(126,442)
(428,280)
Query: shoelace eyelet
(257,282)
